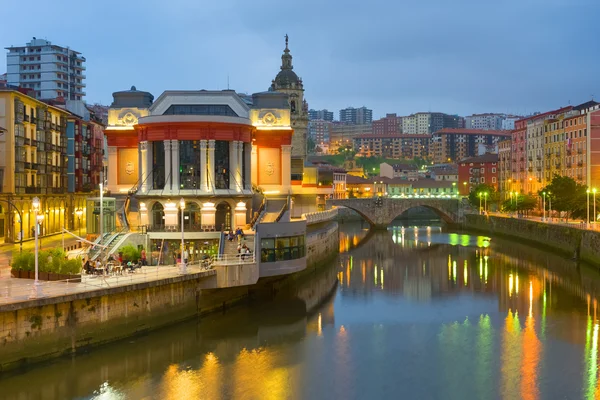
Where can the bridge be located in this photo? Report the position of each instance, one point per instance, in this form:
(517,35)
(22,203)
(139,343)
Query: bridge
(380,212)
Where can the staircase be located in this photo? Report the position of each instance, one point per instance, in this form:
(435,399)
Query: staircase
(109,240)
(273,210)
(230,248)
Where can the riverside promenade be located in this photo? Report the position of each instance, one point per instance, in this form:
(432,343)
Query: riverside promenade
(14,290)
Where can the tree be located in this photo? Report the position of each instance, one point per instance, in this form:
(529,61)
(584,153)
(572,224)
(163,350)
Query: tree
(520,203)
(566,195)
(485,193)
(310,145)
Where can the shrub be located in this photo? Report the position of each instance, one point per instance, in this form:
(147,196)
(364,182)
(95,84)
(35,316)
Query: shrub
(23,261)
(130,253)
(72,266)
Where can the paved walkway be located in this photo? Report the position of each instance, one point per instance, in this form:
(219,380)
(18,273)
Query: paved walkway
(579,224)
(14,290)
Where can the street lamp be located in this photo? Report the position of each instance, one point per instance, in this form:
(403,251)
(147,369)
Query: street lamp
(35,204)
(485,202)
(550,206)
(544,206)
(594,191)
(465,187)
(79,213)
(587,225)
(479,194)
(183,264)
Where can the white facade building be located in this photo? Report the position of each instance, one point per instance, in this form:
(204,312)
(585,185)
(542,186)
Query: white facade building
(492,122)
(51,71)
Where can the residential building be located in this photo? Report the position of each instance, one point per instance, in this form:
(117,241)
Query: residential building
(504,168)
(51,71)
(342,134)
(318,131)
(356,116)
(359,187)
(488,121)
(508,123)
(389,125)
(429,122)
(478,170)
(33,163)
(392,146)
(449,173)
(100,111)
(402,171)
(3,79)
(324,115)
(450,145)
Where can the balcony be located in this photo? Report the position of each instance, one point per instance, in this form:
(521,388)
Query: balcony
(27,165)
(58,190)
(579,151)
(569,152)
(530,158)
(557,165)
(579,177)
(26,118)
(569,165)
(33,190)
(538,157)
(548,167)
(530,169)
(580,163)
(40,168)
(538,168)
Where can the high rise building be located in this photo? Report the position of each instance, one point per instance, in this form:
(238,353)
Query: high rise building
(318,131)
(357,116)
(51,71)
(342,135)
(452,145)
(289,83)
(324,115)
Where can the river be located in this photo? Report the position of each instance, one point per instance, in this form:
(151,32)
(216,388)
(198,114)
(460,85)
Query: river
(408,313)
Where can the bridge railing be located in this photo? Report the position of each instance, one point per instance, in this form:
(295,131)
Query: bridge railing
(320,216)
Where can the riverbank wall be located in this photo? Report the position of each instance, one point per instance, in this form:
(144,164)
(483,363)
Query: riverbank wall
(41,329)
(567,240)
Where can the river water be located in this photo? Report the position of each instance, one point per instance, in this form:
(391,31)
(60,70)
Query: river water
(411,313)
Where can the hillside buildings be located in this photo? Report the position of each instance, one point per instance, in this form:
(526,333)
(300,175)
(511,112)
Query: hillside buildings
(479,170)
(452,145)
(356,116)
(51,71)
(324,115)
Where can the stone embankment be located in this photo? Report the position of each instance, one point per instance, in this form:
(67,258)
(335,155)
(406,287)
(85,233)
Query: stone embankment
(568,240)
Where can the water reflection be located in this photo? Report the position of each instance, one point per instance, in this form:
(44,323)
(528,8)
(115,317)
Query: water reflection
(418,313)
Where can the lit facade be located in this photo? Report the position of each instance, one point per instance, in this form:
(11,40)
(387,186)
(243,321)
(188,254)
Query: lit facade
(392,146)
(478,170)
(504,168)
(451,145)
(33,163)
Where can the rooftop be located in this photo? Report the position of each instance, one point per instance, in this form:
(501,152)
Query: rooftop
(461,131)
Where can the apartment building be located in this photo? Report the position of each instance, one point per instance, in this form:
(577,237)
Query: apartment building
(343,134)
(51,71)
(478,170)
(451,145)
(504,168)
(392,146)
(33,163)
(391,124)
(324,115)
(356,116)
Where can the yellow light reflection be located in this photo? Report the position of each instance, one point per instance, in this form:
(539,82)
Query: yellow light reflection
(320,325)
(511,357)
(531,357)
(454,271)
(381,276)
(510,284)
(517,284)
(593,366)
(466,278)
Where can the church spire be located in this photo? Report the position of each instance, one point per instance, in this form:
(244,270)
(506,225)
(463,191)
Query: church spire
(286,58)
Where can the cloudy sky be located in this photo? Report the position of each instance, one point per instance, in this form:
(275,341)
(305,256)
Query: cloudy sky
(402,56)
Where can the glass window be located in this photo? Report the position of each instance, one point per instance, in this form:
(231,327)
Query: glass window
(158,165)
(267,243)
(216,109)
(221,164)
(282,248)
(189,164)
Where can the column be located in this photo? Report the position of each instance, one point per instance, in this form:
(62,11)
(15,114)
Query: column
(211,165)
(240,165)
(203,167)
(248,165)
(233,165)
(286,168)
(175,165)
(112,168)
(148,179)
(254,165)
(143,170)
(240,214)
(167,165)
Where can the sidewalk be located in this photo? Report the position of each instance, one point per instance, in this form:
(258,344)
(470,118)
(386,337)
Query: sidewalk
(45,243)
(578,224)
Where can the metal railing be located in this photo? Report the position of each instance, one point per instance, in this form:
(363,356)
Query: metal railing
(233,259)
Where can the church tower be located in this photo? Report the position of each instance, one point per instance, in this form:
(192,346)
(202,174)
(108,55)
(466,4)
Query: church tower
(289,83)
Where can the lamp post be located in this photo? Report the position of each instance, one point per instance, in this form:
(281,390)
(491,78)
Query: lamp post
(594,191)
(183,264)
(587,224)
(544,206)
(35,205)
(517,203)
(479,194)
(465,188)
(79,213)
(485,202)
(550,200)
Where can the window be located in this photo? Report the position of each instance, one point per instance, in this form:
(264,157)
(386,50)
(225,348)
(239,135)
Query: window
(200,110)
(482,170)
(282,248)
(482,179)
(493,170)
(493,179)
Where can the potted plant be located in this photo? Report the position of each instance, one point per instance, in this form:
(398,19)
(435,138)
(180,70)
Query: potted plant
(18,264)
(71,269)
(44,265)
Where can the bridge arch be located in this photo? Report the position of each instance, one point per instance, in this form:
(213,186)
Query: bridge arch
(442,214)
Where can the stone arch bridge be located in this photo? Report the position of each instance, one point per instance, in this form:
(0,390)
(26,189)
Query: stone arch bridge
(380,212)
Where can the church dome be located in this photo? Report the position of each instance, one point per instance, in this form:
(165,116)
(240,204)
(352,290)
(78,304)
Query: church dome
(286,78)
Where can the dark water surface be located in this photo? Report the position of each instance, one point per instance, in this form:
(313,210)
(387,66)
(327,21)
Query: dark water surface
(411,313)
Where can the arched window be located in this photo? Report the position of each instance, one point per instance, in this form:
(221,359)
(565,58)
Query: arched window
(158,215)
(223,217)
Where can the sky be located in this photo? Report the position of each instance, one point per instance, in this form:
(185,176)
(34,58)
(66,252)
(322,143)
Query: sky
(395,56)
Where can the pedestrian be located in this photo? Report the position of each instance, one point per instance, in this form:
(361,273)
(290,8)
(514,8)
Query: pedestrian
(143,255)
(185,256)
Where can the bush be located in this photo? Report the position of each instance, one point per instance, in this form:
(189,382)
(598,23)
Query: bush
(23,261)
(130,253)
(72,266)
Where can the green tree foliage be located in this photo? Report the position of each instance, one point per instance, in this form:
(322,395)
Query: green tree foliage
(520,203)
(310,145)
(481,190)
(567,196)
(130,253)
